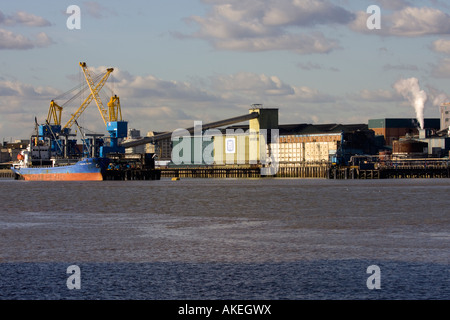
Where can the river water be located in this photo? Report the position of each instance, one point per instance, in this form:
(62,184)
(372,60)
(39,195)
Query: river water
(226,239)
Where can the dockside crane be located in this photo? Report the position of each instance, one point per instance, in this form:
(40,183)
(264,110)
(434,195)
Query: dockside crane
(94,95)
(116,127)
(54,114)
(112,117)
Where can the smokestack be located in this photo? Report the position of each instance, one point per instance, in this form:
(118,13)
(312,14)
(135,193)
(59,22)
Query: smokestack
(410,90)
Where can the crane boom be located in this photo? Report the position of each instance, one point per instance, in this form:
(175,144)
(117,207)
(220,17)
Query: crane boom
(96,89)
(93,95)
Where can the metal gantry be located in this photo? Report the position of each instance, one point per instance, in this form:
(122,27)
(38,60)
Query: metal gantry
(94,95)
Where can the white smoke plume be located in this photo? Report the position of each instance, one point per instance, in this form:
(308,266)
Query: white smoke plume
(410,90)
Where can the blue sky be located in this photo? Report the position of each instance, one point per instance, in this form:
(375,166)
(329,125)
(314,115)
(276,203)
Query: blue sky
(177,61)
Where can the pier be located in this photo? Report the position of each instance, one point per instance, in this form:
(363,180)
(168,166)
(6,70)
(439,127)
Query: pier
(415,170)
(132,174)
(298,171)
(211,173)
(394,169)
(6,173)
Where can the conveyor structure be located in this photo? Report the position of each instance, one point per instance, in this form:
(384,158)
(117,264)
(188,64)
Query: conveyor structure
(216,124)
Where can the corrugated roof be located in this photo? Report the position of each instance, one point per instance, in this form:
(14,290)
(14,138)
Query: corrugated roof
(307,129)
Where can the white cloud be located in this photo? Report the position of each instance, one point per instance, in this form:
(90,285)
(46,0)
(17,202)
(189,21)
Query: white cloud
(299,43)
(152,87)
(304,13)
(23,90)
(251,87)
(255,25)
(43,40)
(441,45)
(11,40)
(419,21)
(407,22)
(310,95)
(151,103)
(23,18)
(250,84)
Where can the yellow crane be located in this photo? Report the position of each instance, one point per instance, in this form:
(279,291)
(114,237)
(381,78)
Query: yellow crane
(54,114)
(95,89)
(114,112)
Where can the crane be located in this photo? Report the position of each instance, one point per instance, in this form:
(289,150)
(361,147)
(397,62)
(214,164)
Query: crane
(112,116)
(95,89)
(54,113)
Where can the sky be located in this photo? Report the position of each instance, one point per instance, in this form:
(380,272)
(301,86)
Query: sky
(180,61)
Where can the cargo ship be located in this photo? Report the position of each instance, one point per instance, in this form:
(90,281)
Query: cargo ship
(45,169)
(54,154)
(89,169)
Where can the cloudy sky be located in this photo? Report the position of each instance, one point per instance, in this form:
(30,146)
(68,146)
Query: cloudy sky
(177,61)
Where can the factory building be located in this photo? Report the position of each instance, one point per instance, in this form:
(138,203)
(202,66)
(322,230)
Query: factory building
(10,150)
(163,148)
(264,138)
(134,134)
(445,116)
(248,144)
(395,128)
(311,143)
(437,142)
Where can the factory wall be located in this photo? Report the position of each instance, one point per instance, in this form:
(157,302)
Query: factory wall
(395,128)
(445,116)
(437,146)
(307,151)
(192,151)
(233,149)
(237,148)
(5,156)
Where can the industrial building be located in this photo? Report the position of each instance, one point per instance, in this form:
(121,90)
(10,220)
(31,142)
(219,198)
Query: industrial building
(395,128)
(445,116)
(133,135)
(264,138)
(10,150)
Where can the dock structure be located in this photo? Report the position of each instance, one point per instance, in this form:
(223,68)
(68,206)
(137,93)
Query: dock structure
(7,173)
(400,169)
(304,170)
(211,173)
(318,170)
(132,174)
